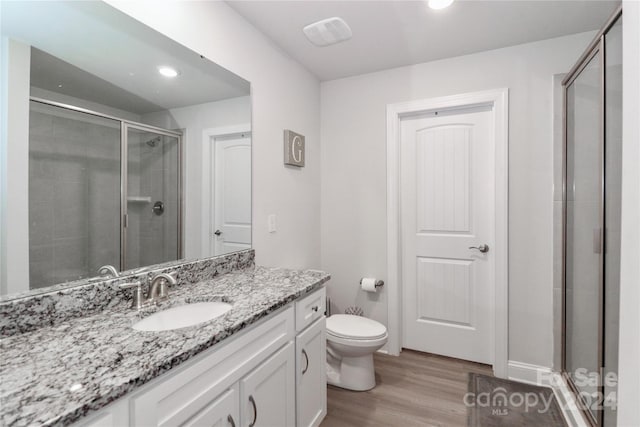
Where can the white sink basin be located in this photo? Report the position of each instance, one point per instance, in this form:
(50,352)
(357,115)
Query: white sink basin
(182,316)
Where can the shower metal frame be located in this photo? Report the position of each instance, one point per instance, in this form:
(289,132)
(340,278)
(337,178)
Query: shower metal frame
(596,49)
(125,125)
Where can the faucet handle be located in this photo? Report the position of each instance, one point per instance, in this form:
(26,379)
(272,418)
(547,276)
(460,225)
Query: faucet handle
(136,284)
(108,270)
(138,298)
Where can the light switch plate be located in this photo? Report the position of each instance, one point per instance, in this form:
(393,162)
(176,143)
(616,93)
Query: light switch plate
(271,223)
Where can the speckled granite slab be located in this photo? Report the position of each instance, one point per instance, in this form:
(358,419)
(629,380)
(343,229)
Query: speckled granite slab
(32,310)
(102,358)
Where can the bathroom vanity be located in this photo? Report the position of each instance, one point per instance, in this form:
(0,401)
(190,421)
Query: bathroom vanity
(262,363)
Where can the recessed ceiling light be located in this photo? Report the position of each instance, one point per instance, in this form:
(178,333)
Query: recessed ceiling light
(168,71)
(439,4)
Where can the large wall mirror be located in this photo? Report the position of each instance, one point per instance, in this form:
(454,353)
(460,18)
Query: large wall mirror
(120,147)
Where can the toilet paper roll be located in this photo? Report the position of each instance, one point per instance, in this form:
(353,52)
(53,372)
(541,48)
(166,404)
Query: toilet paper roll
(368,284)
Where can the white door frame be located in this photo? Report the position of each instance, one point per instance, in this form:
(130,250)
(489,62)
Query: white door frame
(205,195)
(498,99)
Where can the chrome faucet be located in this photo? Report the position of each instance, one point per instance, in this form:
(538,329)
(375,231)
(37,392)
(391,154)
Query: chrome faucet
(158,290)
(108,270)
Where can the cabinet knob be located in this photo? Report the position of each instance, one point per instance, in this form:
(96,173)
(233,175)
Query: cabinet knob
(315,308)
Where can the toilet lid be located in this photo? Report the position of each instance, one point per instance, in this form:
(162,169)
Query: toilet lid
(355,327)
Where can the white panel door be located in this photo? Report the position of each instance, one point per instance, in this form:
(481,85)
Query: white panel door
(231,229)
(268,393)
(447,205)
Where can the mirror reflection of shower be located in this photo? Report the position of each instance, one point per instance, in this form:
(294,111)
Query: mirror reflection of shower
(155,141)
(79,216)
(153,232)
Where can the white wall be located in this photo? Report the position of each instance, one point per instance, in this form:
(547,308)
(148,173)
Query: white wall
(194,120)
(284,96)
(629,352)
(354,178)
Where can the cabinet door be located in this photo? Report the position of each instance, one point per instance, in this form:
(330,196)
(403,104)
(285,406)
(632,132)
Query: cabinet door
(311,377)
(267,394)
(224,411)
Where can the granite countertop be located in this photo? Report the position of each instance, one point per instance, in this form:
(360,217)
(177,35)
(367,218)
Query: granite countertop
(57,374)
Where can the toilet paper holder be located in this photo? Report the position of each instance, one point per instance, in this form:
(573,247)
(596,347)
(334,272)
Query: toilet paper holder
(378,284)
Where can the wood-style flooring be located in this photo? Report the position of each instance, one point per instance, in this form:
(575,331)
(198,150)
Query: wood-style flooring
(414,389)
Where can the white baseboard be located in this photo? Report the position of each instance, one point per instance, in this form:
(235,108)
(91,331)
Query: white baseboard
(528,373)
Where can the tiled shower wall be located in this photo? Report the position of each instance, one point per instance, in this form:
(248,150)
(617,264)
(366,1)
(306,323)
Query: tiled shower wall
(74,195)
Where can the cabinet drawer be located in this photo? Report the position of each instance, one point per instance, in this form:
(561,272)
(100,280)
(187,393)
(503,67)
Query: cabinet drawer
(310,308)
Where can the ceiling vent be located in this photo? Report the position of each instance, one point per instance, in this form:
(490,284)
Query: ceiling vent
(328,31)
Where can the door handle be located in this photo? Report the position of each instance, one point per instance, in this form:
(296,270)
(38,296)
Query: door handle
(158,208)
(304,353)
(217,232)
(482,248)
(230,420)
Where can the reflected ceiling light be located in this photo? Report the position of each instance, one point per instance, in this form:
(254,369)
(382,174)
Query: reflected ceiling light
(168,71)
(439,4)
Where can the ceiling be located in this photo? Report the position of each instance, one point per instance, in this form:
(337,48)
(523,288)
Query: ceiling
(94,52)
(53,74)
(388,34)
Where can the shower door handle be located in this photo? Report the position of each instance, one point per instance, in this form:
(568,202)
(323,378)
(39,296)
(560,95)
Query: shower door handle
(158,208)
(482,248)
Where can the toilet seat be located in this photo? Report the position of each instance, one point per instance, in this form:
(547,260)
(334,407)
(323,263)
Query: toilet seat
(357,328)
(359,343)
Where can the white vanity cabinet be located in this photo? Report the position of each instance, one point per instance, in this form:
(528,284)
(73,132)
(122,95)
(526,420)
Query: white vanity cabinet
(272,374)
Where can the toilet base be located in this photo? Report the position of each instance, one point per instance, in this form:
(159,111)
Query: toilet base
(351,373)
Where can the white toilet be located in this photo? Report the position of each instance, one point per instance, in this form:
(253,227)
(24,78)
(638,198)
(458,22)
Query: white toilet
(351,342)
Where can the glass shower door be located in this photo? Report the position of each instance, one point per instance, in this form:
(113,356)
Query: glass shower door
(584,233)
(153,216)
(613,209)
(593,126)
